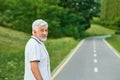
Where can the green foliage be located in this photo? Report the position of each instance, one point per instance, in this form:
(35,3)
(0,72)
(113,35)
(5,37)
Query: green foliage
(12,44)
(110,12)
(114,24)
(97,30)
(110,9)
(88,8)
(19,15)
(83,11)
(117,21)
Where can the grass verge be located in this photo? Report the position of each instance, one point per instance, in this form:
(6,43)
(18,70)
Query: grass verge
(115,42)
(12,45)
(97,30)
(59,48)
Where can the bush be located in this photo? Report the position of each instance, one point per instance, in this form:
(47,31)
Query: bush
(117,32)
(19,15)
(117,21)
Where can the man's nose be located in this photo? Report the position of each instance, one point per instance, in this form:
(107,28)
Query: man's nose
(45,32)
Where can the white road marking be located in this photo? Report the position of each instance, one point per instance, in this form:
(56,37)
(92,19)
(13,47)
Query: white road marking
(94,51)
(94,55)
(95,69)
(95,61)
(94,45)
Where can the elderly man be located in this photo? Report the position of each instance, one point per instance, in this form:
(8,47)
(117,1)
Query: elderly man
(37,62)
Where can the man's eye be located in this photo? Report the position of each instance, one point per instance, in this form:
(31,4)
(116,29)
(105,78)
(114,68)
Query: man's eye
(46,30)
(42,30)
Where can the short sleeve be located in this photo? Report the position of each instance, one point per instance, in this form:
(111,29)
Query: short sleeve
(34,52)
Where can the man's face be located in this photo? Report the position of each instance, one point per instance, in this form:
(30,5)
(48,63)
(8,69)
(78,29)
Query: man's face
(42,33)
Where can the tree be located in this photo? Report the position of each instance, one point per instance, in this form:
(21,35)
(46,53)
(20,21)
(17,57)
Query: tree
(110,12)
(62,15)
(84,11)
(110,9)
(88,8)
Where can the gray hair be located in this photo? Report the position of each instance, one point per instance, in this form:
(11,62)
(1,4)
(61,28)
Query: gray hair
(39,22)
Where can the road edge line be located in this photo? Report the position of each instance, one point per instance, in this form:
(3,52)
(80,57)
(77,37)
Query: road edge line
(56,72)
(113,49)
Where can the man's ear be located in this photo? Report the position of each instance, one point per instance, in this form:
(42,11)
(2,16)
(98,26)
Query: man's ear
(34,32)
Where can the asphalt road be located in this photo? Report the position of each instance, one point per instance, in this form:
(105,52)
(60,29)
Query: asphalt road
(93,60)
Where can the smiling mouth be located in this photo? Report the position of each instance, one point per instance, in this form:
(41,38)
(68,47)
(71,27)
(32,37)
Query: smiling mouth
(44,36)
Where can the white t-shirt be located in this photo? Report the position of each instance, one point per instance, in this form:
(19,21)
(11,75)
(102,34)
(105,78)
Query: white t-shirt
(36,51)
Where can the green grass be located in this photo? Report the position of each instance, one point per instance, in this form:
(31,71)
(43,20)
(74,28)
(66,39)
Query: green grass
(115,41)
(59,48)
(12,54)
(97,30)
(12,45)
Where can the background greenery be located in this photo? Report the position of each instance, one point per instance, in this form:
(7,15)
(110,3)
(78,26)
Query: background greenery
(110,13)
(65,18)
(97,30)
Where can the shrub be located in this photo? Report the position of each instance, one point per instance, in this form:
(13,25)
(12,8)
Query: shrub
(117,21)
(19,15)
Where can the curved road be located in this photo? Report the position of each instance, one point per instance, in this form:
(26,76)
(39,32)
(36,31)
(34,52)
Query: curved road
(93,60)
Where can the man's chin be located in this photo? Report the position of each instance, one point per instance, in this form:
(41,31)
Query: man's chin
(43,39)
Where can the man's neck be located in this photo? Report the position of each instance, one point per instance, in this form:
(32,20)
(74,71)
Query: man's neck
(38,38)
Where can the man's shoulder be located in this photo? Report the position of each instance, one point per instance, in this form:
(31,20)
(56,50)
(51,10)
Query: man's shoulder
(31,42)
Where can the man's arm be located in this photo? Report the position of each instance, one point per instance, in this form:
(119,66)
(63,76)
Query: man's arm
(35,70)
